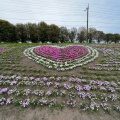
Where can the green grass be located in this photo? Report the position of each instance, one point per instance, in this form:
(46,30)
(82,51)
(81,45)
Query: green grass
(34,44)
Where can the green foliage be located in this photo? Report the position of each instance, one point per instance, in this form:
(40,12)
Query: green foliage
(64,35)
(21,33)
(43,33)
(43,30)
(81,36)
(54,33)
(7,31)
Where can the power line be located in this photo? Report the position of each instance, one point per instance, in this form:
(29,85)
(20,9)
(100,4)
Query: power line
(45,20)
(72,8)
(56,13)
(53,4)
(53,7)
(43,13)
(63,14)
(90,22)
(58,2)
(97,21)
(47,2)
(55,10)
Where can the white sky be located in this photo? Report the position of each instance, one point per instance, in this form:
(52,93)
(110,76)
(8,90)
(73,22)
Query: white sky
(103,14)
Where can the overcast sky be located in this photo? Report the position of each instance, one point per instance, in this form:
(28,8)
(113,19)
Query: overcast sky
(104,15)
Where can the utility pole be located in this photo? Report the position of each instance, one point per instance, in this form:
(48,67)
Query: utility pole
(87,9)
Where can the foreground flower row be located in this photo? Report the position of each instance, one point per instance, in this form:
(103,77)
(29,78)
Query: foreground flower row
(52,103)
(59,92)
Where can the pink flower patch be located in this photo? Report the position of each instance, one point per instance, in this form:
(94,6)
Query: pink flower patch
(61,54)
(2,49)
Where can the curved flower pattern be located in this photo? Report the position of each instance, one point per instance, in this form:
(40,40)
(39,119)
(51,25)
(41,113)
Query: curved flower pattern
(62,58)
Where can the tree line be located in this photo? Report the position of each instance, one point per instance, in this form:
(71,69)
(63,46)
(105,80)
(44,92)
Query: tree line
(42,32)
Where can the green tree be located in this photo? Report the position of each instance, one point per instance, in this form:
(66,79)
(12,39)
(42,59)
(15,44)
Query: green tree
(72,34)
(64,35)
(92,34)
(109,37)
(116,38)
(43,32)
(81,36)
(7,31)
(21,32)
(99,36)
(32,32)
(54,33)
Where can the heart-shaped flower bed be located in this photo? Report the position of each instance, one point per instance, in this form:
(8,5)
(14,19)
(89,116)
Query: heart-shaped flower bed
(62,58)
(61,54)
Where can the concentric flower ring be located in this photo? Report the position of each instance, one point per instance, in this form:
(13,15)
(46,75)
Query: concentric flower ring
(62,58)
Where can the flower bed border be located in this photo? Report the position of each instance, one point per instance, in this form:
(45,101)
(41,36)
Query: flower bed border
(62,66)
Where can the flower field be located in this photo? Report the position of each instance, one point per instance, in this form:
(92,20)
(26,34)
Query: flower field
(46,91)
(83,78)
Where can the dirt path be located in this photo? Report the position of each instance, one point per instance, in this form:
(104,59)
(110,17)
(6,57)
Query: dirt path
(7,113)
